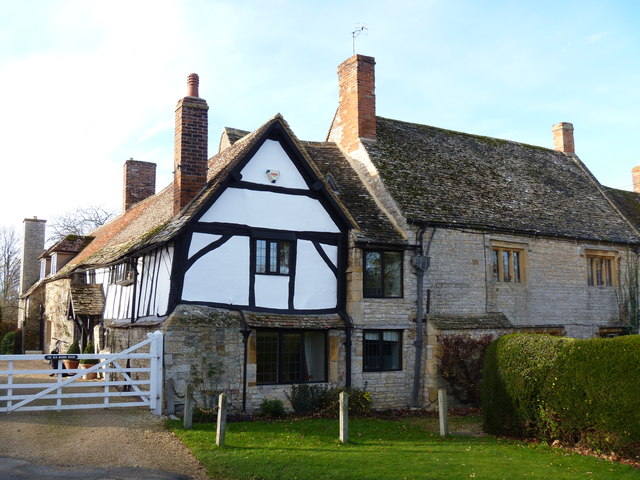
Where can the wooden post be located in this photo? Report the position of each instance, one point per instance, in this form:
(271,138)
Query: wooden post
(443,412)
(170,398)
(188,409)
(222,419)
(344,417)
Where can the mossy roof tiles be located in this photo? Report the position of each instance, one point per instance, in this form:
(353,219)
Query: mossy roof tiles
(454,178)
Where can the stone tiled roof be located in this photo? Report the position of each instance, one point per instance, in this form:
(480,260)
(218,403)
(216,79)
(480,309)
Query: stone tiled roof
(454,178)
(627,202)
(372,223)
(87,299)
(471,322)
(69,244)
(269,320)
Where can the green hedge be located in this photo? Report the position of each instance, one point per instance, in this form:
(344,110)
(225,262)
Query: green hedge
(575,391)
(593,397)
(515,370)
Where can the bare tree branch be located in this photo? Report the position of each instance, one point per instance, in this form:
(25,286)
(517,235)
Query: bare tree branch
(9,273)
(78,222)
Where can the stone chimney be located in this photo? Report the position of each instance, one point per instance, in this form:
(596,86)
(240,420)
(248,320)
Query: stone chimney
(356,115)
(139,182)
(32,247)
(190,146)
(563,137)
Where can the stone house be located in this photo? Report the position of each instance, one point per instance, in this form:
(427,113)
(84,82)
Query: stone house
(280,261)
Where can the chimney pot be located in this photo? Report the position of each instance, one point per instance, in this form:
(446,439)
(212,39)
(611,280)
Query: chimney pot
(563,137)
(193,81)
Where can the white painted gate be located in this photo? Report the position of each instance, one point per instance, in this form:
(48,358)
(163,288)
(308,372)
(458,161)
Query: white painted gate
(118,385)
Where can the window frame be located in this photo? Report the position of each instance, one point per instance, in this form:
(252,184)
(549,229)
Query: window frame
(280,355)
(609,275)
(382,251)
(517,273)
(381,332)
(267,258)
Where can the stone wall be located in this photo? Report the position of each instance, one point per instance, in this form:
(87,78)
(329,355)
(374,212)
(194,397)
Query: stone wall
(554,292)
(56,304)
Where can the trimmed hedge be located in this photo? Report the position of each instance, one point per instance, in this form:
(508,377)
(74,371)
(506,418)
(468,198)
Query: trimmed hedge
(515,370)
(575,391)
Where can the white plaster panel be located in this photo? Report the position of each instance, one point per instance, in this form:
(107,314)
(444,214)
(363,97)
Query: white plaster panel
(201,240)
(221,276)
(316,285)
(163,284)
(270,210)
(271,156)
(332,252)
(272,291)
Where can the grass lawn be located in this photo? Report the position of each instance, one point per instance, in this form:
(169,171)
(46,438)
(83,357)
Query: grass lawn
(407,448)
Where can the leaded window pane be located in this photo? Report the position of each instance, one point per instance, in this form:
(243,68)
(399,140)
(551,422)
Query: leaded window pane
(372,274)
(267,357)
(392,274)
(291,358)
(261,256)
(314,355)
(284,258)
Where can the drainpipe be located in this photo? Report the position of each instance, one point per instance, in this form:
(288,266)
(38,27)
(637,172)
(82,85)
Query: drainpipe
(420,264)
(348,327)
(246,332)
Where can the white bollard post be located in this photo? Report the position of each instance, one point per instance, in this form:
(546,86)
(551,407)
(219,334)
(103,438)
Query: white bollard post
(222,419)
(443,412)
(344,417)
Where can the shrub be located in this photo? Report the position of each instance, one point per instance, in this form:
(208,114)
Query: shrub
(515,369)
(8,344)
(6,327)
(74,348)
(89,349)
(460,364)
(575,391)
(359,401)
(273,408)
(592,395)
(306,398)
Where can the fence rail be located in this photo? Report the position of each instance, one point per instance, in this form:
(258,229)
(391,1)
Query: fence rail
(119,385)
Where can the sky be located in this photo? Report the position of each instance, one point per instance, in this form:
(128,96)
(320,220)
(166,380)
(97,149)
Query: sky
(86,85)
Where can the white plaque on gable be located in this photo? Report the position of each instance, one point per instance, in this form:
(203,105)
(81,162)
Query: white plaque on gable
(273,175)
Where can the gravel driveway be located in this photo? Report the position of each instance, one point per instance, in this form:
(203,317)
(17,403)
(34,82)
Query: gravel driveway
(117,437)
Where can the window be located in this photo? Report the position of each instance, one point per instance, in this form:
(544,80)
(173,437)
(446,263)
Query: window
(601,268)
(291,356)
(382,350)
(382,274)
(54,263)
(121,274)
(273,257)
(508,264)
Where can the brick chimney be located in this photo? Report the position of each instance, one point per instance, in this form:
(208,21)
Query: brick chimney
(563,137)
(32,247)
(139,182)
(635,173)
(356,115)
(190,146)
